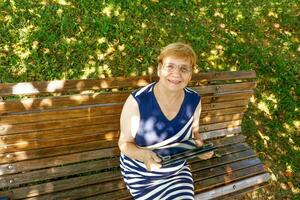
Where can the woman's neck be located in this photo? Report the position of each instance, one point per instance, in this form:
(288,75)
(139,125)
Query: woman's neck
(167,95)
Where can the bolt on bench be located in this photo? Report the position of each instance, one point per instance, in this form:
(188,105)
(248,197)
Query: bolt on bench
(58,139)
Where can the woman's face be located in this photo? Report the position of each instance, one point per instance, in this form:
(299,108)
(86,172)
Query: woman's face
(175,73)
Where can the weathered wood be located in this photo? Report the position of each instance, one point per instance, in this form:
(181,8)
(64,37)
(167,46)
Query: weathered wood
(77,100)
(107,83)
(217,181)
(56,150)
(235,186)
(120,195)
(220,133)
(59,160)
(107,181)
(93,110)
(216,126)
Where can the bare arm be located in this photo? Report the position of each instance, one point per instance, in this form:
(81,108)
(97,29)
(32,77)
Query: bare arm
(195,125)
(196,133)
(129,122)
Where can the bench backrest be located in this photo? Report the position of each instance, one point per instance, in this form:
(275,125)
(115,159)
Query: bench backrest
(58,139)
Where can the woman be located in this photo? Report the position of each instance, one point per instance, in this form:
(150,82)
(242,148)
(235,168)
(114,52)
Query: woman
(158,116)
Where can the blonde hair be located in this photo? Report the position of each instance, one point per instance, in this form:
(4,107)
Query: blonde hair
(180,50)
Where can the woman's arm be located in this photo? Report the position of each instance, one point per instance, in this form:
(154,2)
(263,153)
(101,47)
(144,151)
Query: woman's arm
(196,133)
(129,122)
(195,125)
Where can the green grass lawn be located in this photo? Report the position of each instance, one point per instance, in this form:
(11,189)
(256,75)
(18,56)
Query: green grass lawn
(63,39)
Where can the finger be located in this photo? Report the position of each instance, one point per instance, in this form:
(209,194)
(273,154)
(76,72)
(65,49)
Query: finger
(156,158)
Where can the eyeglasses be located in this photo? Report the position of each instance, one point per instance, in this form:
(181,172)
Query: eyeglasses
(184,69)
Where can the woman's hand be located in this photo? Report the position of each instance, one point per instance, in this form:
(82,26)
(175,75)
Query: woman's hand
(204,156)
(151,160)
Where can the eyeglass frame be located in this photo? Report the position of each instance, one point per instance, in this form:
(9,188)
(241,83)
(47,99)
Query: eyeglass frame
(180,67)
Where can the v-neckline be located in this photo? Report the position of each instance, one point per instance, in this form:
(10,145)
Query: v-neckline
(161,111)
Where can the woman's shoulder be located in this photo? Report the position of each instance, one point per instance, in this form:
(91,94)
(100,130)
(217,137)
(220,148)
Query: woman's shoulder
(191,92)
(140,92)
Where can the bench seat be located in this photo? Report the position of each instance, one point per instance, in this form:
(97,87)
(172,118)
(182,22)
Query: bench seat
(58,139)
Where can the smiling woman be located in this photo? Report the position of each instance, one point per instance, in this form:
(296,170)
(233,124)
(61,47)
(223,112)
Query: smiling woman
(164,113)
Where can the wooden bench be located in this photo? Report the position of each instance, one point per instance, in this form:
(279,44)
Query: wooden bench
(58,139)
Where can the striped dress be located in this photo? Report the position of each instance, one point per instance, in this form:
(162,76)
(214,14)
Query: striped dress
(173,181)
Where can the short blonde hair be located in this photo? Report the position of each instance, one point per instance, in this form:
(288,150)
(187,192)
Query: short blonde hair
(180,50)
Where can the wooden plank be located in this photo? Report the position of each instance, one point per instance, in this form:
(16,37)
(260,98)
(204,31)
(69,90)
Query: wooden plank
(48,115)
(241,193)
(13,180)
(229,168)
(220,133)
(57,86)
(217,181)
(60,124)
(77,100)
(121,194)
(228,155)
(225,111)
(223,125)
(213,76)
(219,119)
(234,87)
(222,105)
(80,146)
(108,83)
(21,146)
(31,131)
(233,187)
(83,186)
(59,160)
(90,111)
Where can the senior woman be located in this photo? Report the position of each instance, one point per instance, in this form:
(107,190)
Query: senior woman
(158,116)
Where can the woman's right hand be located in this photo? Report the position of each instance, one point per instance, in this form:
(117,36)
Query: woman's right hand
(151,160)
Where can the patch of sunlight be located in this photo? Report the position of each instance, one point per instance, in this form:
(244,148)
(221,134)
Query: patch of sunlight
(4,128)
(121,47)
(241,39)
(20,51)
(24,88)
(265,138)
(272,14)
(22,143)
(59,12)
(257,11)
(263,107)
(101,40)
(150,70)
(253,99)
(63,2)
(203,11)
(88,70)
(46,103)
(79,98)
(70,40)
(239,16)
(55,85)
(233,33)
(218,14)
(7,19)
(273,176)
(109,136)
(27,103)
(111,10)
(222,25)
(13,5)
(35,45)
(276,25)
(297,123)
(144,25)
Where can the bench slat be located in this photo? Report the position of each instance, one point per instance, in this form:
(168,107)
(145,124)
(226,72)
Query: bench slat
(76,100)
(80,181)
(108,83)
(91,111)
(233,187)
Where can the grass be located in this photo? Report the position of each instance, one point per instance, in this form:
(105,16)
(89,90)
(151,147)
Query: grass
(62,39)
